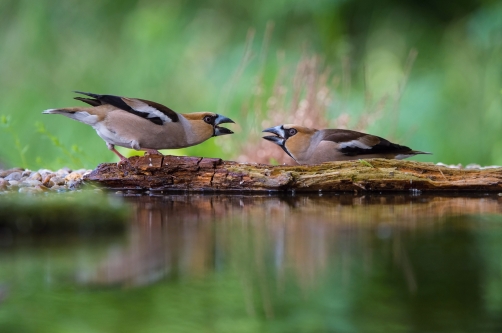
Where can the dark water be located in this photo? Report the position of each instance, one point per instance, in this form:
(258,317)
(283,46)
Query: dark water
(214,263)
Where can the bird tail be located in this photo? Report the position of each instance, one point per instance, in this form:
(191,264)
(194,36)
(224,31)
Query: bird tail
(90,101)
(416,152)
(58,111)
(78,114)
(65,112)
(88,94)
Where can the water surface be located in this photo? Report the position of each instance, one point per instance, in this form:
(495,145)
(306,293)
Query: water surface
(296,263)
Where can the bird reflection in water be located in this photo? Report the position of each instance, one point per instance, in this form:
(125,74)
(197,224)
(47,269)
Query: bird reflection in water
(192,235)
(273,242)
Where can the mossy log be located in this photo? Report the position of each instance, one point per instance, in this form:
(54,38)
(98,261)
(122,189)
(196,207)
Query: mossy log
(165,173)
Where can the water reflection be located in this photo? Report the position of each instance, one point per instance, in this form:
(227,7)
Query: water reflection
(265,237)
(309,263)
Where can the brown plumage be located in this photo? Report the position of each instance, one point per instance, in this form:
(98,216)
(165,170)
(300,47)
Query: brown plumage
(312,146)
(143,125)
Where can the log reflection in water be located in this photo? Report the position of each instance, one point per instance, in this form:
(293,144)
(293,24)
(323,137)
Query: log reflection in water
(267,238)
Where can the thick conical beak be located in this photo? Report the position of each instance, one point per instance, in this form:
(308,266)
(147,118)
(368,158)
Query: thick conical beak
(277,130)
(222,120)
(275,139)
(278,138)
(222,130)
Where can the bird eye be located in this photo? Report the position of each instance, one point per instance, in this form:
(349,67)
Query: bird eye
(208,119)
(292,131)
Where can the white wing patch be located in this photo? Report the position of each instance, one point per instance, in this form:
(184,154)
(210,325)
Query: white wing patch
(143,107)
(353,144)
(153,113)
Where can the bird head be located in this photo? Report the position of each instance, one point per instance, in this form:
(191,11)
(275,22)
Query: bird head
(293,139)
(206,124)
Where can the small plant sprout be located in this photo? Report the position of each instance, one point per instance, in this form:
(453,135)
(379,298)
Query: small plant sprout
(365,163)
(6,123)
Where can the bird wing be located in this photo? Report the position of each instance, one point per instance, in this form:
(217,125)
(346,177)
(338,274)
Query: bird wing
(152,111)
(90,101)
(352,143)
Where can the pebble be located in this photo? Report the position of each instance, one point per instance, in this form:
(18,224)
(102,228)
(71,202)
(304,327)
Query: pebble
(472,166)
(13,182)
(4,173)
(30,182)
(30,190)
(73,176)
(59,188)
(35,176)
(14,176)
(57,180)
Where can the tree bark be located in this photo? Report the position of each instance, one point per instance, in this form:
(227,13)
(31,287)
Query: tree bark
(165,173)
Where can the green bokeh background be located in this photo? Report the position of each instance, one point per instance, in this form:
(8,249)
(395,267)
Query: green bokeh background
(185,54)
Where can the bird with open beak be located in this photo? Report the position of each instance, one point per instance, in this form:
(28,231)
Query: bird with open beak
(312,146)
(143,125)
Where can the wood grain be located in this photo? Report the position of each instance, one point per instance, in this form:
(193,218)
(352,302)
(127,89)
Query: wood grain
(165,173)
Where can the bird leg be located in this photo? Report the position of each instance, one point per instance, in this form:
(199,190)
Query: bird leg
(136,146)
(152,152)
(123,159)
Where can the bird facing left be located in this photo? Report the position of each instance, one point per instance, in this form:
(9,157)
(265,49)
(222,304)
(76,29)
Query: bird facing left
(143,125)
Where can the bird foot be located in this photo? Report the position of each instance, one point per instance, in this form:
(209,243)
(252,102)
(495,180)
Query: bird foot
(123,162)
(123,159)
(152,152)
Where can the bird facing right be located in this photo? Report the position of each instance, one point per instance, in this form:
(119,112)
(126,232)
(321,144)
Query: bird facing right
(311,146)
(143,125)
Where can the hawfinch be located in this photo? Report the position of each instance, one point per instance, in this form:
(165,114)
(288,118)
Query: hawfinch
(143,125)
(311,146)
